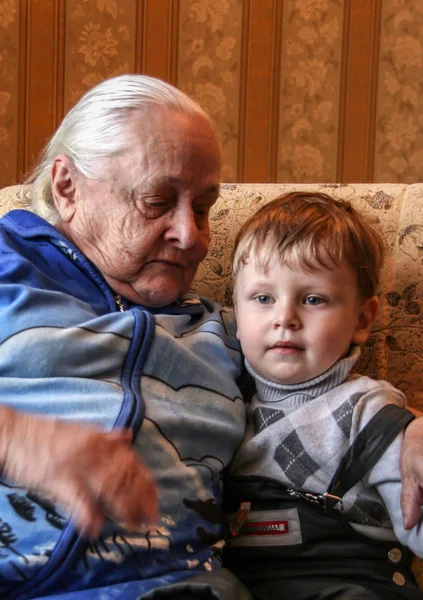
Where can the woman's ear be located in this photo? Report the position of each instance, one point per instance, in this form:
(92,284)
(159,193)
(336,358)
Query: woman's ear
(366,318)
(63,186)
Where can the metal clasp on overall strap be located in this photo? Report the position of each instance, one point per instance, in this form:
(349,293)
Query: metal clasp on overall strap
(326,500)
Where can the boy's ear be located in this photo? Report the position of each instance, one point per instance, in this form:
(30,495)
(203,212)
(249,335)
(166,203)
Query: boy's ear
(366,318)
(63,186)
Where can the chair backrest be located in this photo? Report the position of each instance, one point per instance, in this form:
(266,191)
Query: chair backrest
(395,348)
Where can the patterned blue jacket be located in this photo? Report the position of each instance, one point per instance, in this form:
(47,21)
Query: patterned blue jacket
(171,375)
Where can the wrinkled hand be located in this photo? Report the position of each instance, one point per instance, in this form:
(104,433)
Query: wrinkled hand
(93,473)
(412,472)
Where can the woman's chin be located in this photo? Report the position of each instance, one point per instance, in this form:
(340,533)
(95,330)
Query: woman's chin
(160,293)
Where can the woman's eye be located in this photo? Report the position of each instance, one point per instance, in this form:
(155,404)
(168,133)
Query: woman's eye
(201,213)
(263,299)
(153,210)
(313,300)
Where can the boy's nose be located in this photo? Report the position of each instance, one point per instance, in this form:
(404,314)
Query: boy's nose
(288,318)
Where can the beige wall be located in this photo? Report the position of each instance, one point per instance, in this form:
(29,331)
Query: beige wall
(301,90)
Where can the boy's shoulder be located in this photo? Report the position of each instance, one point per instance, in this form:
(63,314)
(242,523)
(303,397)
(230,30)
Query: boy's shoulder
(367,396)
(366,384)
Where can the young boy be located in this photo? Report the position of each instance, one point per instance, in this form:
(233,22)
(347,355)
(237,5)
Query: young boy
(314,489)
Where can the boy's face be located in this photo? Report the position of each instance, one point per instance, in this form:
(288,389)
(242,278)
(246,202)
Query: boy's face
(294,324)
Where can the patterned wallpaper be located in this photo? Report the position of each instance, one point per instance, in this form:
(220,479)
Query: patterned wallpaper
(9,90)
(399,131)
(300,90)
(309,90)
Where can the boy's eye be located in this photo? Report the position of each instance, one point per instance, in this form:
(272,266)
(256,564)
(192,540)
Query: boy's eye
(313,300)
(263,299)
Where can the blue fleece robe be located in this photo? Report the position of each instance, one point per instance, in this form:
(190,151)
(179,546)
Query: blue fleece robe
(66,351)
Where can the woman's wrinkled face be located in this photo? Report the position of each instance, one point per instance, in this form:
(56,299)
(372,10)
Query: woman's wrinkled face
(145,225)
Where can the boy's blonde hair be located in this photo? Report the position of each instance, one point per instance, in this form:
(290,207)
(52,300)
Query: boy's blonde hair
(312,230)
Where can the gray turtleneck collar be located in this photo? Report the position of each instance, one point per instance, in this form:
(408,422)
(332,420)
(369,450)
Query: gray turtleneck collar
(269,391)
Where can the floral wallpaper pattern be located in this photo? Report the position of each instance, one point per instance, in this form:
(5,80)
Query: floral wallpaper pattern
(100,43)
(9,48)
(395,348)
(309,99)
(399,138)
(210,58)
(209,67)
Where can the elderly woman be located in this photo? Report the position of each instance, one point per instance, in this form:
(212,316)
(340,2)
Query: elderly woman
(97,327)
(107,360)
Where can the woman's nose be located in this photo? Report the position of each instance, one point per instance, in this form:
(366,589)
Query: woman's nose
(183,229)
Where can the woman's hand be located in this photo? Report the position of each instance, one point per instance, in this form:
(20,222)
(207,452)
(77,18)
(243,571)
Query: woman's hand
(412,472)
(94,474)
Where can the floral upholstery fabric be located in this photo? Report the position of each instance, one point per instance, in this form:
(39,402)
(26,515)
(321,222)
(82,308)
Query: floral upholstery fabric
(395,348)
(12,197)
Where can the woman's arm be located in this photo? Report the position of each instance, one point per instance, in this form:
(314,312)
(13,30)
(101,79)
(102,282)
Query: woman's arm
(92,473)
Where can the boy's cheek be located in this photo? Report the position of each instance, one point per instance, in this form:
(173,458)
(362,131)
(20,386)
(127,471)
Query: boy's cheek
(236,317)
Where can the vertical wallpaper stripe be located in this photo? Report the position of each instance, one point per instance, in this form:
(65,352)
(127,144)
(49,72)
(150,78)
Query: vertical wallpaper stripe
(59,58)
(372,100)
(40,78)
(160,29)
(10,86)
(243,88)
(259,88)
(140,36)
(309,90)
(359,72)
(275,106)
(23,87)
(398,152)
(209,68)
(100,41)
(10,91)
(174,42)
(345,59)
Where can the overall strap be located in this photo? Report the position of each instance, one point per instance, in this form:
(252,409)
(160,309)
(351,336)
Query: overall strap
(366,450)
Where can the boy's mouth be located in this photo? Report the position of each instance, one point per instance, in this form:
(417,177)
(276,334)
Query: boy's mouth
(285,346)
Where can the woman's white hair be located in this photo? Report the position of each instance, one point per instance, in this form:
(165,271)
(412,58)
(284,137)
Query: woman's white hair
(97,128)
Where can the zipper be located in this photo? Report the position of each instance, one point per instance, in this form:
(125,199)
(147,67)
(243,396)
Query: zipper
(119,303)
(263,523)
(264,527)
(268,527)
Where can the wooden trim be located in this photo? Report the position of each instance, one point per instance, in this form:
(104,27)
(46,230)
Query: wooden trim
(343,90)
(140,20)
(59,64)
(243,88)
(160,39)
(173,52)
(276,93)
(374,76)
(259,102)
(41,100)
(358,93)
(23,87)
